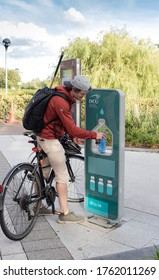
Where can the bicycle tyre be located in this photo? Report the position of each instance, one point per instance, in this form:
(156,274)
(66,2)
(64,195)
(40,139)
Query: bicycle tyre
(76,189)
(16,217)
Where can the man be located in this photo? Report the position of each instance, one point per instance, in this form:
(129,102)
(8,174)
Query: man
(48,138)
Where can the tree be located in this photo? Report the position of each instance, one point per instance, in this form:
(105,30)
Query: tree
(116,60)
(13,78)
(2,78)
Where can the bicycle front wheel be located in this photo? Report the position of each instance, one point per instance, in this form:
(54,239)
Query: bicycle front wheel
(76,186)
(21,201)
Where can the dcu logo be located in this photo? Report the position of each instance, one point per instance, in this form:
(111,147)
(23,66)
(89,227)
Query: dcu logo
(94,99)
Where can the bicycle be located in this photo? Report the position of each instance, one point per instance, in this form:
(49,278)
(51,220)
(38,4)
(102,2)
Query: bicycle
(24,188)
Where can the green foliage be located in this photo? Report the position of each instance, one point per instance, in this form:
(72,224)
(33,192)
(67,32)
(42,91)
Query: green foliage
(118,61)
(2,78)
(20,100)
(155,255)
(142,122)
(35,84)
(13,78)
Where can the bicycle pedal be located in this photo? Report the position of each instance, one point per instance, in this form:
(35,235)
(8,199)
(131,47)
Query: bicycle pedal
(56,212)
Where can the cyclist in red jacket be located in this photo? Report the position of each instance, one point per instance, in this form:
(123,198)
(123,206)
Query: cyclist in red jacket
(48,138)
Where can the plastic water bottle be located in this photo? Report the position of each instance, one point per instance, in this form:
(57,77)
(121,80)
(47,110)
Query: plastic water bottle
(109,187)
(102,146)
(92,183)
(100,185)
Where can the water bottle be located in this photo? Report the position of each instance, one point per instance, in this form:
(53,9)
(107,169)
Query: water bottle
(102,146)
(97,128)
(92,183)
(100,185)
(109,187)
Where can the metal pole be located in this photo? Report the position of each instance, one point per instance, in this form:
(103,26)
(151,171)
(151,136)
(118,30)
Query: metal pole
(6,72)
(6,42)
(78,103)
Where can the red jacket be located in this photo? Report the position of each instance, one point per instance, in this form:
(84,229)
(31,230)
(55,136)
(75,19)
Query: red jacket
(61,109)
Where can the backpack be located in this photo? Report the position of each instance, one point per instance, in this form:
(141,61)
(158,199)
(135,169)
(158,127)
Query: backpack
(35,110)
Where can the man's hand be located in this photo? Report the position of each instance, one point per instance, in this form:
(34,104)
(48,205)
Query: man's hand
(78,140)
(100,135)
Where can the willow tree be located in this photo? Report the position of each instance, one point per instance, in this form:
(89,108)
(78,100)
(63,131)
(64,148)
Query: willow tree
(116,60)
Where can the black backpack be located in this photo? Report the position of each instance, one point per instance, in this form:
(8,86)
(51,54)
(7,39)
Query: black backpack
(35,110)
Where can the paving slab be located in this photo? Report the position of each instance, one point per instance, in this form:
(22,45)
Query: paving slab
(53,254)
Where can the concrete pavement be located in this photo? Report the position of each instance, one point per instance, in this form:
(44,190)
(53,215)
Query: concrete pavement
(134,239)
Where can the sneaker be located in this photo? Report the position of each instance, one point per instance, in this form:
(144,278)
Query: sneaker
(70,218)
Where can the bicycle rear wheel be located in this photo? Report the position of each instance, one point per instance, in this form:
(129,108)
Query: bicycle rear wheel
(76,185)
(20,195)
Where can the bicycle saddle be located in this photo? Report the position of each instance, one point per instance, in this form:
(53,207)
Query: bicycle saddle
(30,133)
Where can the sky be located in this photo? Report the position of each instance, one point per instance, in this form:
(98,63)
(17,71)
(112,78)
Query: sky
(39,29)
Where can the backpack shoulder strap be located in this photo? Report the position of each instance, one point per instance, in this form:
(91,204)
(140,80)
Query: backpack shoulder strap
(61,94)
(64,96)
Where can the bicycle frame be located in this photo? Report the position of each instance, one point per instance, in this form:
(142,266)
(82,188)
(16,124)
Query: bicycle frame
(39,156)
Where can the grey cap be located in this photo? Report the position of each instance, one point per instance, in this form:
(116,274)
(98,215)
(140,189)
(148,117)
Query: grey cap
(81,82)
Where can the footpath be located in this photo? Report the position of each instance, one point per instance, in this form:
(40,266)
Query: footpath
(135,237)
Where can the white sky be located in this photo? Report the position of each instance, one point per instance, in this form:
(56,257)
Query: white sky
(38,29)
